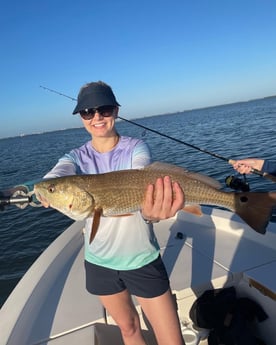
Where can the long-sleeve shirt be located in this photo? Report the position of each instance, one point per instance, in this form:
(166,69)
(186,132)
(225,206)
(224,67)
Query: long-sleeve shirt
(121,243)
(269,166)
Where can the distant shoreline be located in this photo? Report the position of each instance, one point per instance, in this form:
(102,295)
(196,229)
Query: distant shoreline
(209,107)
(22,135)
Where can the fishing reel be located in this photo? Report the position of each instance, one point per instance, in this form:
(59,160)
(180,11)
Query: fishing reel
(237,183)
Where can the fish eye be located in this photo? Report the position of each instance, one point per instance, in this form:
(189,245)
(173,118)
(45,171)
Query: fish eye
(51,188)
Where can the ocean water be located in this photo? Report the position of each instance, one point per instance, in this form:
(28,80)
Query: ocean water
(232,131)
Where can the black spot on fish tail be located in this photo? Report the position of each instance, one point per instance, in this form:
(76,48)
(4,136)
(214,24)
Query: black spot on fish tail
(96,223)
(255,208)
(243,198)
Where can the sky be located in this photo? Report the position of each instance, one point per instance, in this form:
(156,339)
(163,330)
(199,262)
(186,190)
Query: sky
(158,56)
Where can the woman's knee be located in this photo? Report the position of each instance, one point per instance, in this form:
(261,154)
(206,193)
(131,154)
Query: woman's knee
(130,325)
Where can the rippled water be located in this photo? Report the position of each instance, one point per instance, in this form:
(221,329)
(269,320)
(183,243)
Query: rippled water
(231,131)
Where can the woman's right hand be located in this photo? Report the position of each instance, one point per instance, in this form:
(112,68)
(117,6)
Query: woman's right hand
(162,200)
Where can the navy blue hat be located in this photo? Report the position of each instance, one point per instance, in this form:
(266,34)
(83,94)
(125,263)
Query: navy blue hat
(94,95)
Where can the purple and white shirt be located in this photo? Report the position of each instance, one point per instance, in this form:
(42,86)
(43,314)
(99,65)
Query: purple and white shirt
(121,243)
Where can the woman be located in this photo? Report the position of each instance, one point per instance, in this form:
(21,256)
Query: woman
(124,255)
(245,166)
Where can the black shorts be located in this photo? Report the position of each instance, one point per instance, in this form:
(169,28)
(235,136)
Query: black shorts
(148,281)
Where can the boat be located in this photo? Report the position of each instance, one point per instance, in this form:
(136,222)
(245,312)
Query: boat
(50,304)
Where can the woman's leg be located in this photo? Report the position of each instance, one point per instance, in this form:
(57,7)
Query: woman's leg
(162,314)
(122,310)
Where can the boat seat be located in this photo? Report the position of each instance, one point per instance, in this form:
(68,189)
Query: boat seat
(106,334)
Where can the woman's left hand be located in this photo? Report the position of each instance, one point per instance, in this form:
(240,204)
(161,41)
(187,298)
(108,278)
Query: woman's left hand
(162,200)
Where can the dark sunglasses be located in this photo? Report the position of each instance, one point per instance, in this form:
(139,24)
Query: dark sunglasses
(105,111)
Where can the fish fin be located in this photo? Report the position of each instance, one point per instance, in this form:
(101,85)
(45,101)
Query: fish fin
(170,169)
(165,167)
(123,215)
(255,208)
(96,222)
(194,209)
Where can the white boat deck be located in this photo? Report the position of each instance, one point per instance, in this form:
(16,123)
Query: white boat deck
(199,253)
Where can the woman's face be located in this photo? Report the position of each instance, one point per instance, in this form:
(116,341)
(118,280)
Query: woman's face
(101,125)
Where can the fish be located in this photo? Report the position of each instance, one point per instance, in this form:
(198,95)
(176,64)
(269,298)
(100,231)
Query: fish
(122,192)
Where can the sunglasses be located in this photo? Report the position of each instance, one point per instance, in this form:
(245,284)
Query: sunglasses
(105,111)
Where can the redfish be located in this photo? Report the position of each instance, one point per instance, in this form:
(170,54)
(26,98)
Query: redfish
(122,192)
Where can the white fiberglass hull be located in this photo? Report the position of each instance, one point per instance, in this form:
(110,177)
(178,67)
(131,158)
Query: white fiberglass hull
(51,306)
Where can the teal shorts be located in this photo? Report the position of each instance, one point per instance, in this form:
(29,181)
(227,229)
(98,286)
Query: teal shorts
(148,281)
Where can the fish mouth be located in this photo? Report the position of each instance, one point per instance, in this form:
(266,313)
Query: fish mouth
(37,195)
(41,199)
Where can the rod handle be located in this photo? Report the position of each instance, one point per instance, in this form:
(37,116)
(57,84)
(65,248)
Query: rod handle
(257,172)
(254,171)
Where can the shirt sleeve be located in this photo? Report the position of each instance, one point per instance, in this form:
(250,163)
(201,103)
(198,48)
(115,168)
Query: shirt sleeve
(141,156)
(269,167)
(65,166)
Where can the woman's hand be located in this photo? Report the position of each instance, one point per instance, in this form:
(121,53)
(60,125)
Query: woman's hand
(162,200)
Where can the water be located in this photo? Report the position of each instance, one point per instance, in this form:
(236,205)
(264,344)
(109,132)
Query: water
(232,131)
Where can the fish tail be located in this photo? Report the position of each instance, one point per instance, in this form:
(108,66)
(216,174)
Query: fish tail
(255,208)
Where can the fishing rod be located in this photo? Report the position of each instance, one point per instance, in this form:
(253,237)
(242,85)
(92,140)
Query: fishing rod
(228,160)
(153,130)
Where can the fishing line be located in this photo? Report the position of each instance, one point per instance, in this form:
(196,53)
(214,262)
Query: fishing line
(228,160)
